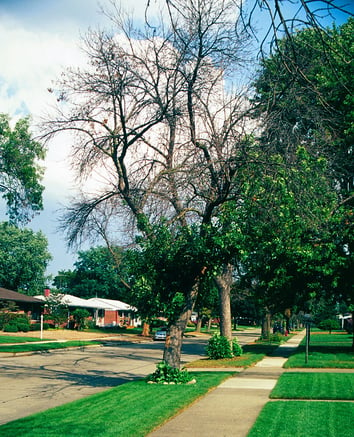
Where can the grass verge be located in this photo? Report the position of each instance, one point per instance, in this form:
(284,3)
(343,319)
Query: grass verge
(28,347)
(132,409)
(4,339)
(325,351)
(335,386)
(304,418)
(252,353)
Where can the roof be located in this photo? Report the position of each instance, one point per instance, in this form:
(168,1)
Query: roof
(72,301)
(6,294)
(110,304)
(94,302)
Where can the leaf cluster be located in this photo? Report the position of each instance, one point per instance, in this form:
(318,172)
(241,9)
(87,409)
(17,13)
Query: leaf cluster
(24,258)
(20,173)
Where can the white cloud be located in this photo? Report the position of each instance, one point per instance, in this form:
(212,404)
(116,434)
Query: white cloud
(38,40)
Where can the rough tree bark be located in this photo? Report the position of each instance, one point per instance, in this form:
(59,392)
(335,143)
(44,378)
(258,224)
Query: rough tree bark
(223,283)
(266,323)
(173,345)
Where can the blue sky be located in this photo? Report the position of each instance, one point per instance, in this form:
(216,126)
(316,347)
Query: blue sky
(38,39)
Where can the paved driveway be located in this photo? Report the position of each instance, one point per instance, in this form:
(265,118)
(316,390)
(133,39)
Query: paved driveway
(34,383)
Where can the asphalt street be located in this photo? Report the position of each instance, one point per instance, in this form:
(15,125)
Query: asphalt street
(33,383)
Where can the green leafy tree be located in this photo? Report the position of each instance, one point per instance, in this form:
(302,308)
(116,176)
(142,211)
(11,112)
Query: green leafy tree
(96,273)
(20,173)
(24,258)
(329,325)
(282,211)
(305,94)
(55,309)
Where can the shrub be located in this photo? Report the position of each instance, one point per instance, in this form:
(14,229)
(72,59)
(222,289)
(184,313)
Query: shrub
(37,326)
(6,318)
(80,316)
(23,323)
(24,327)
(220,347)
(11,327)
(236,348)
(329,325)
(277,337)
(164,373)
(91,324)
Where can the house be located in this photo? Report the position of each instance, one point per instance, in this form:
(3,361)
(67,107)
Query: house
(29,305)
(106,312)
(114,313)
(70,302)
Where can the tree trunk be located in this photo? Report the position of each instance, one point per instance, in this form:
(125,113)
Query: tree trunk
(266,319)
(173,345)
(146,329)
(223,283)
(199,324)
(209,324)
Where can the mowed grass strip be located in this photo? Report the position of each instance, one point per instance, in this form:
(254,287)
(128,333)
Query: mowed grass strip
(336,338)
(5,339)
(325,351)
(28,347)
(304,418)
(131,410)
(252,353)
(339,386)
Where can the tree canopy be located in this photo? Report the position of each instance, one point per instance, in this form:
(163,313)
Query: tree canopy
(153,113)
(20,173)
(157,118)
(306,94)
(24,258)
(96,273)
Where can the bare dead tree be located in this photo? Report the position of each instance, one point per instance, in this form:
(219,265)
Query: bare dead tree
(153,119)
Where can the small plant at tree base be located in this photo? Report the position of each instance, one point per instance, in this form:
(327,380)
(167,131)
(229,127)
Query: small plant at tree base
(166,374)
(220,347)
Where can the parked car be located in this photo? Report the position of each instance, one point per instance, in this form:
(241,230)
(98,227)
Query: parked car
(160,333)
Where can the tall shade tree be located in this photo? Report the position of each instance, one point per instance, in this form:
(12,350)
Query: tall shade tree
(96,273)
(305,95)
(20,173)
(152,117)
(24,258)
(276,227)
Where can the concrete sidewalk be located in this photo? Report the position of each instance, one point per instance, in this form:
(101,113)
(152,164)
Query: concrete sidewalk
(231,409)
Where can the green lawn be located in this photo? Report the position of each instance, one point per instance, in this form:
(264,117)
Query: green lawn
(323,386)
(325,351)
(310,417)
(4,339)
(252,353)
(28,347)
(129,410)
(304,419)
